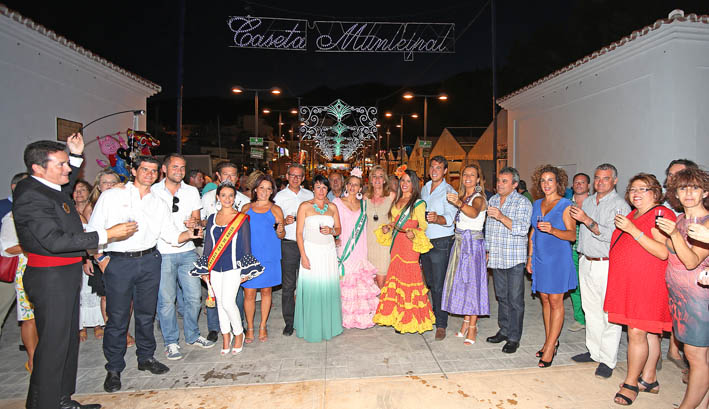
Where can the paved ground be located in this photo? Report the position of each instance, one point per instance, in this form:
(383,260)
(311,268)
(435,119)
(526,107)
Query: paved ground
(356,354)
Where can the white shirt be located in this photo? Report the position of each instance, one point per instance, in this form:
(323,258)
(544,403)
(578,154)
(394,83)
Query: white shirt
(151,212)
(289,202)
(8,235)
(189,201)
(209,202)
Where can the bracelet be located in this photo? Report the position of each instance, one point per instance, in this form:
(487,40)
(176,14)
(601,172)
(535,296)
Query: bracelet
(639,236)
(75,155)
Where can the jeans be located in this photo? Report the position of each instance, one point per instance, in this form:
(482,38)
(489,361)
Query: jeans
(509,291)
(435,265)
(175,273)
(129,279)
(290,264)
(213,313)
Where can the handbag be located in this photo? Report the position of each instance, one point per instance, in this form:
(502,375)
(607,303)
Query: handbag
(8,268)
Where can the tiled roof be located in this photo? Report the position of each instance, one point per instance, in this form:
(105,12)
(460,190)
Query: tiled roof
(11,14)
(693,18)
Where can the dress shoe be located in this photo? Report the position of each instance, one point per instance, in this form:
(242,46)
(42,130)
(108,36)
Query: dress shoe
(510,347)
(603,371)
(152,365)
(496,339)
(213,336)
(440,334)
(67,403)
(585,357)
(576,326)
(112,382)
(288,330)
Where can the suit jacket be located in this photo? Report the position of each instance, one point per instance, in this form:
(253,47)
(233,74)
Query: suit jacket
(47,222)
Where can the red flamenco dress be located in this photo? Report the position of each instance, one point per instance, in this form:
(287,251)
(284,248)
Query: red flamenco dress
(637,294)
(403,302)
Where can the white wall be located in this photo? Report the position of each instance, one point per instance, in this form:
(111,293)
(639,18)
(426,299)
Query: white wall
(637,107)
(42,80)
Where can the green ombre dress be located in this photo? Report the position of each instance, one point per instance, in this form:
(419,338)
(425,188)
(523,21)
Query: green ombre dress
(318,310)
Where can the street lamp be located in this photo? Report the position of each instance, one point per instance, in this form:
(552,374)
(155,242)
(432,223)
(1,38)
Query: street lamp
(401,131)
(409,96)
(291,111)
(240,90)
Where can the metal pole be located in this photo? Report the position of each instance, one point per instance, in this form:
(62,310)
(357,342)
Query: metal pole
(493,14)
(256,124)
(219,136)
(386,154)
(180,59)
(401,140)
(425,132)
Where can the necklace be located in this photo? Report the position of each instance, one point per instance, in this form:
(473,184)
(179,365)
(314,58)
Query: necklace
(317,209)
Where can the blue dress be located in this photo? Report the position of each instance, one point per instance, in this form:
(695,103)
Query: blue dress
(553,270)
(266,247)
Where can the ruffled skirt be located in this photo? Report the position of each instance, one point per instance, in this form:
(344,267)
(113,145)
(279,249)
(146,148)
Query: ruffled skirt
(360,294)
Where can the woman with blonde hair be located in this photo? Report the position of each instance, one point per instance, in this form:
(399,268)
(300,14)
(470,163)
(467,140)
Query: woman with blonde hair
(465,287)
(379,199)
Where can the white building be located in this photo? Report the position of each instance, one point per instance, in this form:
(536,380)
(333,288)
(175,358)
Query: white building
(45,77)
(637,103)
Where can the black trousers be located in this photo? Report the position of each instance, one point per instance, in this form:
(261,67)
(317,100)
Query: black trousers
(54,292)
(435,266)
(290,264)
(130,279)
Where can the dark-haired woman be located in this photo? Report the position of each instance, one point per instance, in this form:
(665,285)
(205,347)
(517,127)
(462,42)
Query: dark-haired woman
(550,260)
(267,229)
(636,294)
(688,260)
(318,306)
(404,303)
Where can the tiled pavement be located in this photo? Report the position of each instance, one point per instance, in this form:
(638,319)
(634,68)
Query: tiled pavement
(374,352)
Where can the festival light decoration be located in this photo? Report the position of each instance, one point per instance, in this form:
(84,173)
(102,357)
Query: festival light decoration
(338,129)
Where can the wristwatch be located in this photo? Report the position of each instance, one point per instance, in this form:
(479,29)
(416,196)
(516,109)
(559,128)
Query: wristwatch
(592,224)
(76,155)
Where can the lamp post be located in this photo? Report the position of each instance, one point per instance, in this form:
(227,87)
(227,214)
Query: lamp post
(291,111)
(409,96)
(240,90)
(401,131)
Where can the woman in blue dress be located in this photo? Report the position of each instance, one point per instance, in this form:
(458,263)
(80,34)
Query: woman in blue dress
(267,230)
(550,261)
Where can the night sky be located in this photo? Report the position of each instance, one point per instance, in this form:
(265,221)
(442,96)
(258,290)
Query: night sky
(141,36)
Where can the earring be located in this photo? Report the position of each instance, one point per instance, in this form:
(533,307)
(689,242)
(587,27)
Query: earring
(359,196)
(478,188)
(345,194)
(218,205)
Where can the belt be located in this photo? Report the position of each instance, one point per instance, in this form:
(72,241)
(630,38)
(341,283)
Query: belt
(132,254)
(597,258)
(443,238)
(39,260)
(292,241)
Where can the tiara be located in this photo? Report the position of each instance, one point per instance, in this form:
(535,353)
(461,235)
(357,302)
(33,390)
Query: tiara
(356,172)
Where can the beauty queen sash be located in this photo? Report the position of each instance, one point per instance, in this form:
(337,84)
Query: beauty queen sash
(401,221)
(354,237)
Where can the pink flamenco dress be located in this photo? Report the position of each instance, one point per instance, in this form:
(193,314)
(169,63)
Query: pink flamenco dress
(359,292)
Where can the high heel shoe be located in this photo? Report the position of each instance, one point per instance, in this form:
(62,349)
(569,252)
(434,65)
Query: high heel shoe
(541,351)
(547,364)
(471,341)
(225,352)
(235,350)
(464,333)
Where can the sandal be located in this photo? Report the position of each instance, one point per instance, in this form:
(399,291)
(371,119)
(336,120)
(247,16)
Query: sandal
(27,367)
(98,332)
(235,350)
(250,339)
(130,341)
(626,399)
(83,336)
(262,334)
(474,333)
(653,388)
(541,351)
(462,334)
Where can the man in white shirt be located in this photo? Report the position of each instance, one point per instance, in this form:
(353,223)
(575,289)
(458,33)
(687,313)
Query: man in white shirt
(289,199)
(226,172)
(132,266)
(177,262)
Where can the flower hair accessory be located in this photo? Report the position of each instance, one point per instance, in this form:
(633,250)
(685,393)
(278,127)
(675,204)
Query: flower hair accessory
(399,172)
(356,172)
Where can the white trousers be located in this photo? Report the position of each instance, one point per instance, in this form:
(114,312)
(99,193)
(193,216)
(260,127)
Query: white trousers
(226,285)
(602,337)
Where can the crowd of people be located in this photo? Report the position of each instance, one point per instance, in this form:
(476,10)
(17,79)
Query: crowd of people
(354,252)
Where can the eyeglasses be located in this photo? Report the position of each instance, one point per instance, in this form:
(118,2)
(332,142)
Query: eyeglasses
(175,201)
(639,189)
(296,176)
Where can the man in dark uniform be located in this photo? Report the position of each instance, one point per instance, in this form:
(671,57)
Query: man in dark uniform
(50,231)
